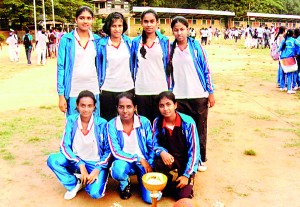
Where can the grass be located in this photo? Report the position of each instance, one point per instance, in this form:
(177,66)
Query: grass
(250,152)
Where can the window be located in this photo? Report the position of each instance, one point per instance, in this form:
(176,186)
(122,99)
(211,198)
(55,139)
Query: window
(212,22)
(236,23)
(194,21)
(203,21)
(137,21)
(102,5)
(162,21)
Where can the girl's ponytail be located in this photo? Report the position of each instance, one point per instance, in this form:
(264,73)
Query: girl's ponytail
(169,70)
(144,40)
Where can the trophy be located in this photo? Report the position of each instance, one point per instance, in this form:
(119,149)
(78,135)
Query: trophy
(154,182)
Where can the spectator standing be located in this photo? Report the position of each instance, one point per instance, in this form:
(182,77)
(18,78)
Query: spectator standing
(27,41)
(12,43)
(41,47)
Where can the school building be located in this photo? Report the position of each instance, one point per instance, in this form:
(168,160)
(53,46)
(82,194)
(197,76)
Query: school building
(197,18)
(257,19)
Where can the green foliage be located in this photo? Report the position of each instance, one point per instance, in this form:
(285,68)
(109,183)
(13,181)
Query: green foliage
(97,24)
(2,37)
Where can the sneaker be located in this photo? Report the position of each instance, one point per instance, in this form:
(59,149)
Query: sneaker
(202,167)
(291,92)
(72,193)
(283,89)
(295,88)
(126,193)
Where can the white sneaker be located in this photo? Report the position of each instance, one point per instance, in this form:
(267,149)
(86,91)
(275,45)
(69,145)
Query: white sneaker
(283,89)
(295,88)
(202,167)
(291,92)
(71,194)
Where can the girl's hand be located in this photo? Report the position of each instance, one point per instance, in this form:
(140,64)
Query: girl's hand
(146,165)
(62,104)
(93,176)
(183,181)
(84,174)
(167,158)
(211,100)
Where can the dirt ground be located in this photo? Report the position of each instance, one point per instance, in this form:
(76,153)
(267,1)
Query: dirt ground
(250,113)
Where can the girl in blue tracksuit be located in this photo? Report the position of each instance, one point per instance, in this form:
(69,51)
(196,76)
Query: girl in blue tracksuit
(84,149)
(114,54)
(192,83)
(130,141)
(297,43)
(176,145)
(281,76)
(287,49)
(149,57)
(77,65)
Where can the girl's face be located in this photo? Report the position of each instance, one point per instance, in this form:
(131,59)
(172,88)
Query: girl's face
(167,107)
(86,107)
(126,109)
(84,21)
(180,32)
(116,29)
(149,23)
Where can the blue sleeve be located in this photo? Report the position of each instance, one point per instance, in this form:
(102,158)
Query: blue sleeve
(157,148)
(149,142)
(105,155)
(203,61)
(61,58)
(193,149)
(133,57)
(66,143)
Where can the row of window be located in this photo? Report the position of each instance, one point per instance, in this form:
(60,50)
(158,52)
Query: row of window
(102,5)
(191,21)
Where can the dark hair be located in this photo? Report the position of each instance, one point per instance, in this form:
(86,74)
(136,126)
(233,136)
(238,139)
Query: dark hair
(161,138)
(84,94)
(82,9)
(110,20)
(297,33)
(280,31)
(169,70)
(27,31)
(289,33)
(144,36)
(126,95)
(165,94)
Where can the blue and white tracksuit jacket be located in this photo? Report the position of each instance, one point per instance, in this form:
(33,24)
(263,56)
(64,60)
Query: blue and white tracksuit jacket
(201,64)
(165,46)
(65,65)
(102,51)
(289,51)
(66,163)
(127,164)
(65,62)
(190,132)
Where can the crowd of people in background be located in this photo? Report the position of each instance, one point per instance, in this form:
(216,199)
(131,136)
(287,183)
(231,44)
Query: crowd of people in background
(45,44)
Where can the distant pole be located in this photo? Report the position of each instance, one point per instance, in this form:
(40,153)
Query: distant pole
(53,13)
(144,3)
(34,14)
(44,14)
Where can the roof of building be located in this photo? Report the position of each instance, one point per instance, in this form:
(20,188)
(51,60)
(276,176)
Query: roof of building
(187,13)
(273,16)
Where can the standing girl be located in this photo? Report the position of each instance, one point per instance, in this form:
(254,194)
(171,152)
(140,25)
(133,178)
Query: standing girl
(192,82)
(280,74)
(84,149)
(288,52)
(149,56)
(176,145)
(77,65)
(130,140)
(114,54)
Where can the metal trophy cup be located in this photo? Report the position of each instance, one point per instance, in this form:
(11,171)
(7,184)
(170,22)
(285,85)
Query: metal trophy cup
(154,182)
